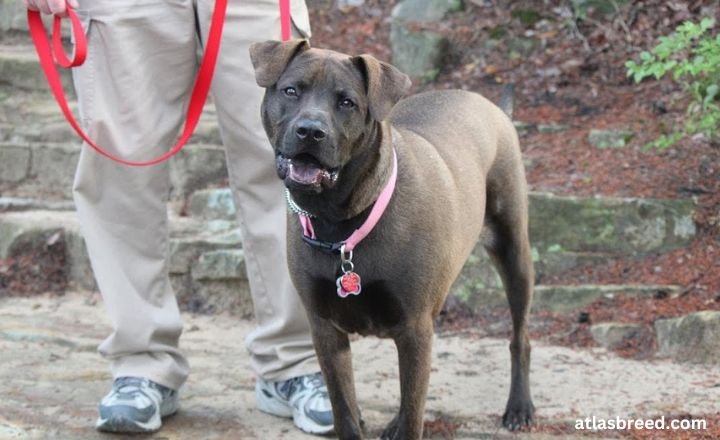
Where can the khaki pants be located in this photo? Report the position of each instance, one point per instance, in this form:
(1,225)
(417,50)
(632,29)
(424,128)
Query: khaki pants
(133,92)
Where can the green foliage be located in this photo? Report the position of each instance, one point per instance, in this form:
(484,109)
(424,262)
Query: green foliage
(693,60)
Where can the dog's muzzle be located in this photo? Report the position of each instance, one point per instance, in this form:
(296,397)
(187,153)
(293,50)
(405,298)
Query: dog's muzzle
(304,171)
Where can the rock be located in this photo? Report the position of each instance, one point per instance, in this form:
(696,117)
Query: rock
(14,163)
(528,17)
(346,4)
(8,204)
(616,226)
(197,167)
(419,53)
(524,126)
(692,338)
(211,204)
(478,276)
(79,270)
(56,132)
(425,10)
(213,296)
(567,298)
(596,8)
(218,283)
(568,232)
(519,46)
(554,261)
(13,16)
(614,334)
(222,264)
(28,233)
(46,169)
(185,250)
(562,298)
(207,131)
(52,169)
(11,431)
(20,68)
(609,138)
(551,128)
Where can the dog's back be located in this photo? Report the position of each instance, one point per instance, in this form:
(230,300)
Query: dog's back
(467,149)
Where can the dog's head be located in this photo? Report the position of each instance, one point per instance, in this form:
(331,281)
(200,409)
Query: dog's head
(319,105)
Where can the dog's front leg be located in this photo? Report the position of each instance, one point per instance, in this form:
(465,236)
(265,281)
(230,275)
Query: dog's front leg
(333,350)
(415,356)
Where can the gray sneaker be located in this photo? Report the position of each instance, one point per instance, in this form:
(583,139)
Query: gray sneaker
(303,398)
(135,405)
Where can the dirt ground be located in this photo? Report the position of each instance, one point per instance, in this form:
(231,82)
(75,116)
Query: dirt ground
(51,379)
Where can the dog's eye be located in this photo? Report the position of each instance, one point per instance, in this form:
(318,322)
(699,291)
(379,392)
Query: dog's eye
(290,91)
(346,103)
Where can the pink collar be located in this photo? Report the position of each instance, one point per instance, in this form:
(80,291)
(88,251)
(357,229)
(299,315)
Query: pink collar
(375,214)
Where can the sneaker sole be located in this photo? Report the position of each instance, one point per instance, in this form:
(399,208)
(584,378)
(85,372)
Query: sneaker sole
(120,424)
(272,406)
(308,425)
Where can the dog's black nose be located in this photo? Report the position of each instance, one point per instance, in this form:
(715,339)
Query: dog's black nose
(311,130)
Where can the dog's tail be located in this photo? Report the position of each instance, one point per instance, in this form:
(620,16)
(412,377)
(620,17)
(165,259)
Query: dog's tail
(507,99)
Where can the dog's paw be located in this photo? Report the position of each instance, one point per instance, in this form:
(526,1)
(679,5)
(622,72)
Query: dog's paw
(392,430)
(519,415)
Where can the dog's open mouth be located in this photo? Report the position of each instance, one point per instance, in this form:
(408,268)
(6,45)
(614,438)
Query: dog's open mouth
(304,170)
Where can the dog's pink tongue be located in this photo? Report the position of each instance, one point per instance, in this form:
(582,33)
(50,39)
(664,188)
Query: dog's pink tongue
(306,174)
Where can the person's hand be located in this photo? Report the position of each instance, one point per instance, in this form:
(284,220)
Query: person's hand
(55,7)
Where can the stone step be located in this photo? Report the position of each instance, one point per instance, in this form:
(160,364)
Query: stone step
(566,298)
(15,204)
(581,226)
(206,264)
(20,69)
(12,16)
(47,169)
(623,226)
(28,233)
(690,338)
(33,118)
(565,232)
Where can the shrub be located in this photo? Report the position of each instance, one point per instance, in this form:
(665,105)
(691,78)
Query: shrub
(692,56)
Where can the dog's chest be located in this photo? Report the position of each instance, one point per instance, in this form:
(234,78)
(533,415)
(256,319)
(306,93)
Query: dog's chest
(375,311)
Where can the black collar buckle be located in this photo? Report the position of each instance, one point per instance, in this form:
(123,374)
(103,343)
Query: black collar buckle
(325,246)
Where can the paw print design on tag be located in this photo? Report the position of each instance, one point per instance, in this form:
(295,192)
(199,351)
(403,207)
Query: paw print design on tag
(348,284)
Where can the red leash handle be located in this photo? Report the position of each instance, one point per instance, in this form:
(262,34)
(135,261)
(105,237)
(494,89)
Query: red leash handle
(80,41)
(50,56)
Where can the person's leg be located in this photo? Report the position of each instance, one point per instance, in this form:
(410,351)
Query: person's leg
(281,350)
(281,346)
(133,91)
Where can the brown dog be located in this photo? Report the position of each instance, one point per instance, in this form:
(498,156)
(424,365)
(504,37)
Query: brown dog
(333,121)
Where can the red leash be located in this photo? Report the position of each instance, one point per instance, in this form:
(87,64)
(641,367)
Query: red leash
(49,56)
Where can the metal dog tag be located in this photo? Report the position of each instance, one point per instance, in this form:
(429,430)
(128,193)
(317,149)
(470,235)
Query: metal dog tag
(349,282)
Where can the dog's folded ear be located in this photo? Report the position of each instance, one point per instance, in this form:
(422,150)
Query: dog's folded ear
(270,58)
(385,84)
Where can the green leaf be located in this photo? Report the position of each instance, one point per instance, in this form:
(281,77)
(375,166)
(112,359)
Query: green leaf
(710,93)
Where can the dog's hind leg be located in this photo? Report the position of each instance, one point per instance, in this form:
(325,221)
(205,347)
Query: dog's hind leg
(333,350)
(509,247)
(415,356)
